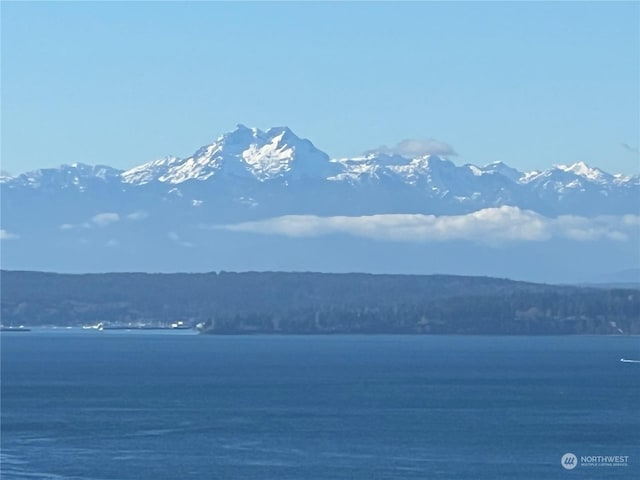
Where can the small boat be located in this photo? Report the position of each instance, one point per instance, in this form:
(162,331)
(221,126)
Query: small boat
(179,325)
(97,326)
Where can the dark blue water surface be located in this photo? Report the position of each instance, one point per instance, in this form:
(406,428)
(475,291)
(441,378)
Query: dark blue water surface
(168,405)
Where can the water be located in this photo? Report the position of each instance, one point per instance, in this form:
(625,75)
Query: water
(167,405)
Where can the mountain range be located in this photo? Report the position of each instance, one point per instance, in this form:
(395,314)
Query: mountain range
(263,190)
(267,165)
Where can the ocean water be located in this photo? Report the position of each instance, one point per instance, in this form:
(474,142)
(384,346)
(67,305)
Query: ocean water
(169,405)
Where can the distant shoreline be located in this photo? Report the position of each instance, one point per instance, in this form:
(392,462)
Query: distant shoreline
(194,332)
(254,303)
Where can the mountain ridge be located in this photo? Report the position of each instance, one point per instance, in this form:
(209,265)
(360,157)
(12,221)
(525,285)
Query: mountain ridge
(246,158)
(316,303)
(257,199)
(283,139)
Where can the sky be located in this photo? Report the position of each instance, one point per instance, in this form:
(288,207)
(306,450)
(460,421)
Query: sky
(123,83)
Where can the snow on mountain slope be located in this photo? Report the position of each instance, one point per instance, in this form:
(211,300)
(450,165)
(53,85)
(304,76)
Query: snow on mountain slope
(256,164)
(500,168)
(579,176)
(77,175)
(167,214)
(150,171)
(581,169)
(564,174)
(431,172)
(244,152)
(370,168)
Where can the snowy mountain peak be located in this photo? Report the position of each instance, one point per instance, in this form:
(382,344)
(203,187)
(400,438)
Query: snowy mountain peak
(432,163)
(503,169)
(77,175)
(244,153)
(575,175)
(280,131)
(583,170)
(244,136)
(240,160)
(150,171)
(75,170)
(241,134)
(387,159)
(280,152)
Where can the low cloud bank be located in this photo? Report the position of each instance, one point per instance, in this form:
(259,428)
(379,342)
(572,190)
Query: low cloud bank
(6,235)
(493,226)
(105,219)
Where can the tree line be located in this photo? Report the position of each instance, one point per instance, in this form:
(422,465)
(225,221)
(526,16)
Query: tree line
(315,303)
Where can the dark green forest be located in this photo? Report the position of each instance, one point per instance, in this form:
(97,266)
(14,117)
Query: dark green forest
(316,303)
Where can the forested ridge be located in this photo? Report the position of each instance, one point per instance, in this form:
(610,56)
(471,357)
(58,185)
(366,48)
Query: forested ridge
(312,303)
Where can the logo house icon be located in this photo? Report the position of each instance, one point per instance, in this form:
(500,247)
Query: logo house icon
(569,461)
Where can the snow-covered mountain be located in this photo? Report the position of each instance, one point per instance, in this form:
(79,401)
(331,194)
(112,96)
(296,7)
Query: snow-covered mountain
(81,215)
(244,153)
(76,176)
(252,167)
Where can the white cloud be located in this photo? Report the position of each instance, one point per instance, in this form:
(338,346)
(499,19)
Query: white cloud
(104,219)
(100,220)
(176,238)
(631,220)
(112,243)
(597,228)
(6,235)
(138,215)
(411,148)
(491,226)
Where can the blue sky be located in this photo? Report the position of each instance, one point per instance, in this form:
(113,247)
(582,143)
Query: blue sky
(531,84)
